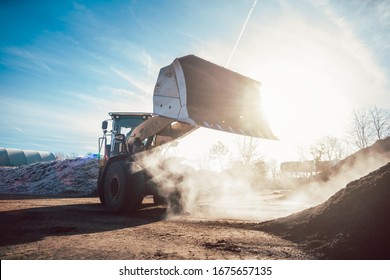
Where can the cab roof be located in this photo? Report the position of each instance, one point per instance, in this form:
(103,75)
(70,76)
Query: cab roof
(140,114)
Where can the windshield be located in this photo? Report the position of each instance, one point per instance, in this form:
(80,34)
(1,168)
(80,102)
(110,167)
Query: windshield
(126,124)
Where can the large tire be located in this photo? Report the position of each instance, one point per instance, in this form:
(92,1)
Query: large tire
(123,186)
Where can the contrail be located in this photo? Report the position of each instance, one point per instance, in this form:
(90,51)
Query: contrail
(242,31)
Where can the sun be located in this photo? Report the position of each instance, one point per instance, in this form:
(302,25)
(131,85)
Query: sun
(300,102)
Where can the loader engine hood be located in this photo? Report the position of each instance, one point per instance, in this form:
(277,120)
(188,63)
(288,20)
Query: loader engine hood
(201,93)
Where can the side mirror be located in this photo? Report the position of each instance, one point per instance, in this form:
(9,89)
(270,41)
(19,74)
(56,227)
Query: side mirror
(104,125)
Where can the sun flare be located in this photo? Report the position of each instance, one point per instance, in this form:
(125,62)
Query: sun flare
(301,103)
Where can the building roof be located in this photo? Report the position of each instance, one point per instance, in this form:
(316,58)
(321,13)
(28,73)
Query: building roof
(16,157)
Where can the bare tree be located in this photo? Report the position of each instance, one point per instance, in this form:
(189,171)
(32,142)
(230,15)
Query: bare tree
(361,128)
(248,150)
(369,125)
(273,169)
(218,149)
(332,147)
(219,152)
(328,148)
(317,151)
(380,120)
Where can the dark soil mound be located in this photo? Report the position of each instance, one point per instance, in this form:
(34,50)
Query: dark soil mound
(353,224)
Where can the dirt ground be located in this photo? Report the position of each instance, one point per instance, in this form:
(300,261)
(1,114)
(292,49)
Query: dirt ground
(80,228)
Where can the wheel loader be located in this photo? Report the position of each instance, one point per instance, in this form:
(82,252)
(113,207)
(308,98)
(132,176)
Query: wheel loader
(189,93)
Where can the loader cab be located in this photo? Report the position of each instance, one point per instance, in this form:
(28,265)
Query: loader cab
(115,132)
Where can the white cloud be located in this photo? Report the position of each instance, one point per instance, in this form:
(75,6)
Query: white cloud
(383,8)
(91,99)
(140,85)
(117,92)
(358,49)
(31,58)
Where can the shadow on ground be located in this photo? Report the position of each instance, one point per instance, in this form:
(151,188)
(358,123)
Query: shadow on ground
(35,223)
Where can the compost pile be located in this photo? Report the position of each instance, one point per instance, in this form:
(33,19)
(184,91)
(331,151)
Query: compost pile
(353,224)
(70,177)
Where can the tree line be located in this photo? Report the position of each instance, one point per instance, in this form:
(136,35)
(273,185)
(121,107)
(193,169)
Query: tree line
(369,125)
(366,126)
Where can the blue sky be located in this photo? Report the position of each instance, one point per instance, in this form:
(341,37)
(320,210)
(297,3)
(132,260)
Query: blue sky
(65,64)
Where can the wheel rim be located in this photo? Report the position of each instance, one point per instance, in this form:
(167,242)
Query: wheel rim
(114,187)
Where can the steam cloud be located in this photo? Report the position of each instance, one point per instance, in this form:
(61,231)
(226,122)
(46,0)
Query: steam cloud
(240,194)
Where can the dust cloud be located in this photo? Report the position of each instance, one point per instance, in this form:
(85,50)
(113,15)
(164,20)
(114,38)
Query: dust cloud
(323,185)
(238,193)
(205,194)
